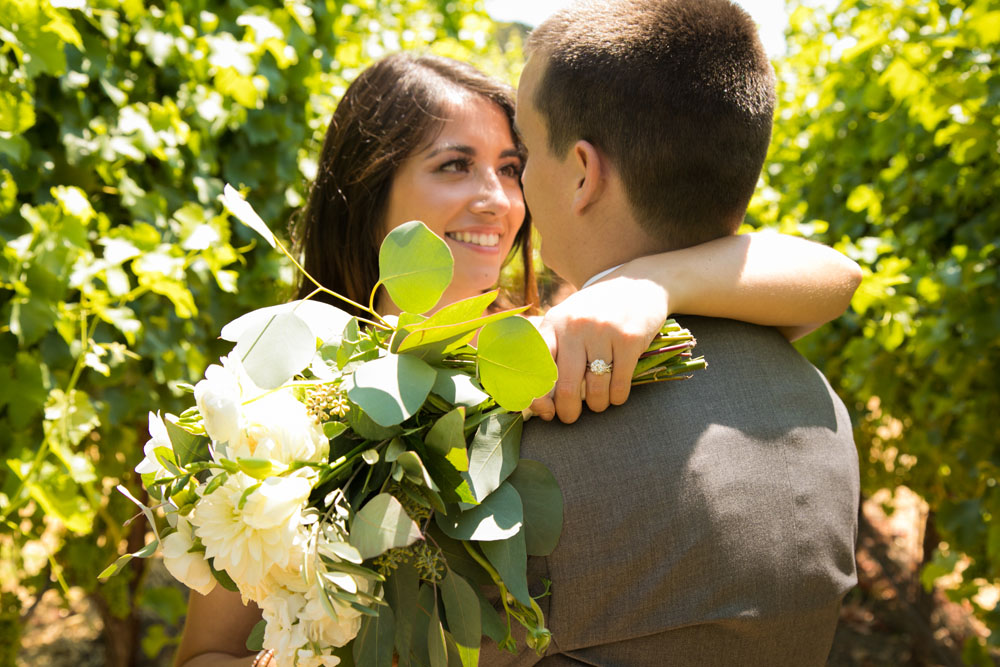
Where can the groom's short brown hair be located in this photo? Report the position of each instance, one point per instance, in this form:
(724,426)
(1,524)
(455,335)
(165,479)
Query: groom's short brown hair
(679,95)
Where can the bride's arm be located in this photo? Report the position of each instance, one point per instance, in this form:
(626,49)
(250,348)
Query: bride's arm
(763,278)
(216,630)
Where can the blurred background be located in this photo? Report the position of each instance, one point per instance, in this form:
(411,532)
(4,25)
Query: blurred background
(120,121)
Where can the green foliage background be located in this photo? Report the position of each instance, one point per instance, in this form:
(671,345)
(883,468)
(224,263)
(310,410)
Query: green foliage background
(121,121)
(887,146)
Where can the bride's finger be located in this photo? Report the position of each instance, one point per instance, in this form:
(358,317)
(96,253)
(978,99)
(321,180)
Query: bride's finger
(598,380)
(571,362)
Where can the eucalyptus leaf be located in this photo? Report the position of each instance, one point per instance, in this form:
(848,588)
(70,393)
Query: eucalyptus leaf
(415,266)
(447,438)
(401,591)
(447,338)
(462,612)
(494,452)
(382,524)
(415,470)
(510,558)
(543,506)
(373,645)
(425,604)
(326,322)
(238,206)
(458,388)
(515,365)
(275,349)
(493,626)
(391,389)
(498,517)
(450,322)
(437,647)
(365,426)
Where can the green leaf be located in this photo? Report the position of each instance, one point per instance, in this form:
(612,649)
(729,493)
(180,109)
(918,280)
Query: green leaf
(239,207)
(447,438)
(326,322)
(437,647)
(458,388)
(494,452)
(58,494)
(373,645)
(493,626)
(498,517)
(30,319)
(122,561)
(455,323)
(461,608)
(188,447)
(401,591)
(391,389)
(382,524)
(543,506)
(276,350)
(255,641)
(415,266)
(366,427)
(510,559)
(425,604)
(414,468)
(515,365)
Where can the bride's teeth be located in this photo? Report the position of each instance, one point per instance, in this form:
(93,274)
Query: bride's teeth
(485,240)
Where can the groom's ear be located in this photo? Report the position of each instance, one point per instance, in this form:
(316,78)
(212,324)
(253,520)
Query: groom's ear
(590,170)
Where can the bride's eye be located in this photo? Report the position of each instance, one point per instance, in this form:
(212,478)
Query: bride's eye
(454,166)
(513,170)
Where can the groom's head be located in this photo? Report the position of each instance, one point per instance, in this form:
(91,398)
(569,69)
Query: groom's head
(673,101)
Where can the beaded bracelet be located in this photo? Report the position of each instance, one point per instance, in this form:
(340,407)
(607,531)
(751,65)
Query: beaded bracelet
(263,658)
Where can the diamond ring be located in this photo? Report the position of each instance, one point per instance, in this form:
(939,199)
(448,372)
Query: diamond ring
(600,367)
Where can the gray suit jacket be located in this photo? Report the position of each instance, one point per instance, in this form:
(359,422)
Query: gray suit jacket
(710,521)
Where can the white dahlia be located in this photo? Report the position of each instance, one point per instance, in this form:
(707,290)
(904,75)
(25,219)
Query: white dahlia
(248,542)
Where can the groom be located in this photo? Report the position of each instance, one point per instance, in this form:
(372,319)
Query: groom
(711,521)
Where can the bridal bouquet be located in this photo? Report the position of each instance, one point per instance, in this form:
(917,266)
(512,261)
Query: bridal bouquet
(360,479)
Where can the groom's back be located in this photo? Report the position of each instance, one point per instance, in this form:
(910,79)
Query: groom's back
(710,521)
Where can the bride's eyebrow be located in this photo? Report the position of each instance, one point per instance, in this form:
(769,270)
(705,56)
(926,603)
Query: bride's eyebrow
(458,148)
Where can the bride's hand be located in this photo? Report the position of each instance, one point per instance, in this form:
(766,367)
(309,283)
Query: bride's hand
(613,320)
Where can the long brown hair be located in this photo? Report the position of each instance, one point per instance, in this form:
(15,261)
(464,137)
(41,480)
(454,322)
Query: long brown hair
(394,108)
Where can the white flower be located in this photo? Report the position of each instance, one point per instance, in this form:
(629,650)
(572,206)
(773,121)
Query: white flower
(191,569)
(283,633)
(297,623)
(279,428)
(219,397)
(158,438)
(248,542)
(325,630)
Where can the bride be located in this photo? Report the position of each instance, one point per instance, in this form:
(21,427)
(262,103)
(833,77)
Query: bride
(432,139)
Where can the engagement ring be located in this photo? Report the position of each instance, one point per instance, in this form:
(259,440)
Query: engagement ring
(600,367)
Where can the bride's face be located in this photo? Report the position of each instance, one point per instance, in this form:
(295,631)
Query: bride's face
(465,186)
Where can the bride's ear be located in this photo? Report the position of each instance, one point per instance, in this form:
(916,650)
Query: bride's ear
(590,170)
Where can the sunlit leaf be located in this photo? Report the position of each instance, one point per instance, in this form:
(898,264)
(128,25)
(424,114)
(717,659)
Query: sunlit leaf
(239,207)
(415,266)
(515,365)
(380,525)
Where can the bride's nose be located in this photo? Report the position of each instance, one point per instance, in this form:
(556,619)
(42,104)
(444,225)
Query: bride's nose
(492,197)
